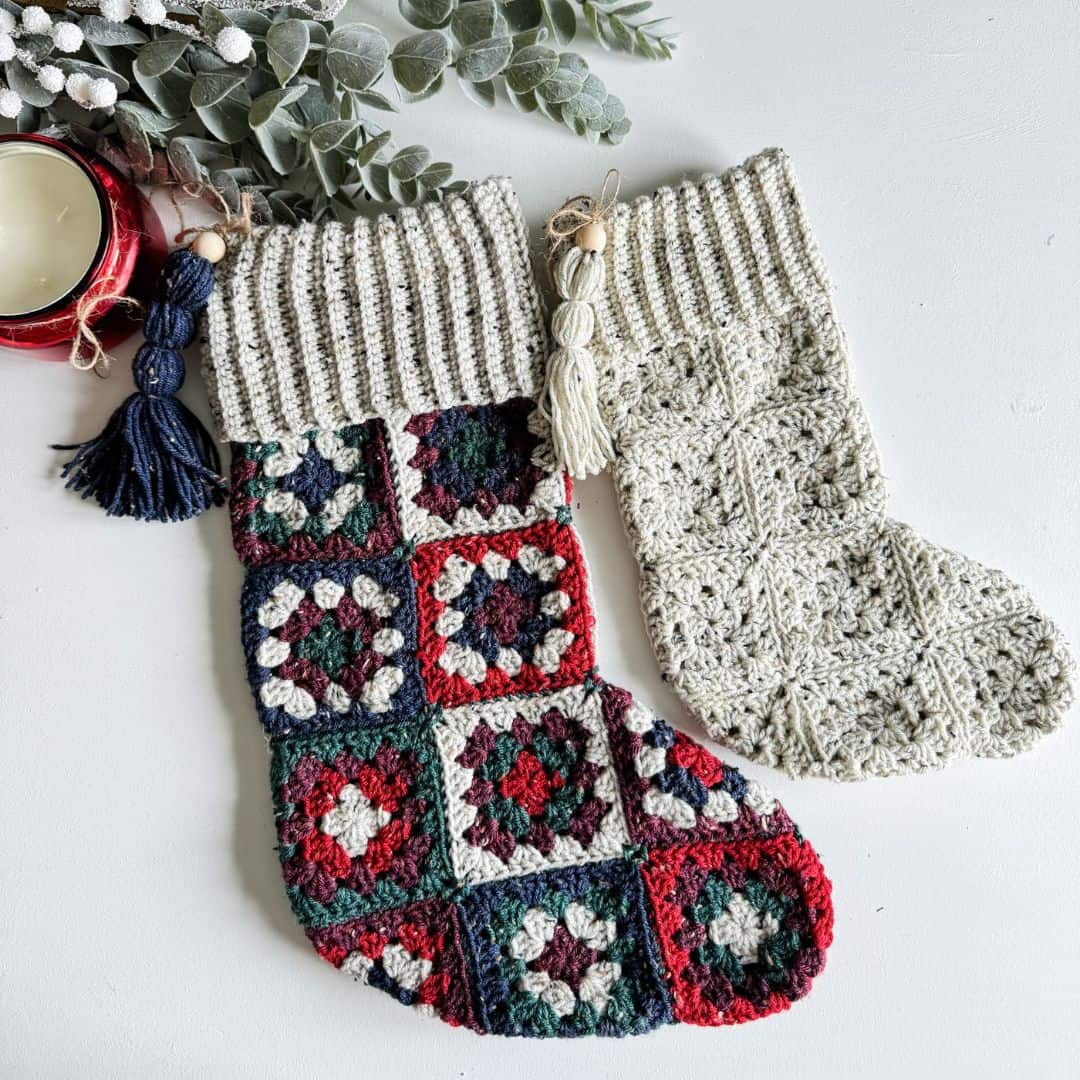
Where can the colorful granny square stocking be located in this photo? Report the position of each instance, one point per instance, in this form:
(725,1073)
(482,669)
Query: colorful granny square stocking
(469,818)
(801,625)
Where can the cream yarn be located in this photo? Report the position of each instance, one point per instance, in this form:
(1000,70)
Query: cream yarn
(801,625)
(569,402)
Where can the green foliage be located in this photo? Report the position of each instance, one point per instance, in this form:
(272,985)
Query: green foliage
(291,126)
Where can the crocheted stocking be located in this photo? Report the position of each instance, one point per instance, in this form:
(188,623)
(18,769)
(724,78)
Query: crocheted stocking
(470,819)
(802,626)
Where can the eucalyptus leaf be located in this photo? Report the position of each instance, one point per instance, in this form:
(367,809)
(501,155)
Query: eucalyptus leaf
(370,150)
(410,162)
(281,210)
(313,109)
(356,55)
(228,188)
(418,61)
(618,131)
(278,145)
(331,135)
(426,14)
(286,47)
(484,60)
(536,36)
(481,93)
(28,120)
(136,142)
(562,20)
(256,23)
(529,67)
(477,20)
(228,119)
(208,89)
(170,92)
(331,169)
(269,106)
(377,181)
(525,103)
(435,176)
(185,165)
(213,20)
(374,99)
(561,86)
(99,31)
(151,121)
(404,192)
(523,14)
(24,82)
(160,56)
(410,98)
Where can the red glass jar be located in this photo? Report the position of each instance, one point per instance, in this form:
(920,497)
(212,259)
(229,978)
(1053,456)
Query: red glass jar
(130,251)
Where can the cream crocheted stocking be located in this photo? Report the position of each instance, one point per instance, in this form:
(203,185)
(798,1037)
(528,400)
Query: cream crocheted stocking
(469,818)
(802,626)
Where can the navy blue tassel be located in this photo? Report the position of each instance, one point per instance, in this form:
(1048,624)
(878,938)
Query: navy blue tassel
(155,461)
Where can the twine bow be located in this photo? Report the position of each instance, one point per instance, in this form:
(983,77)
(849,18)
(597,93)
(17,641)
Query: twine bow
(87,351)
(580,210)
(232,225)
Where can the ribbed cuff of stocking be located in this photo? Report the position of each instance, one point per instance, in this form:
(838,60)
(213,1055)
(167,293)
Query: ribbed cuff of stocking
(326,325)
(686,260)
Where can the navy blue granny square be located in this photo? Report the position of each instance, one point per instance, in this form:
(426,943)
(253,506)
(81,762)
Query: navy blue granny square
(332,644)
(567,952)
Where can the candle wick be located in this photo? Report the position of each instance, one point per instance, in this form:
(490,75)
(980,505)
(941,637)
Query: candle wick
(63,213)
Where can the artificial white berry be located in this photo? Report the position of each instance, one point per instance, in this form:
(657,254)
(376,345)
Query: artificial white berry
(78,87)
(50,78)
(102,93)
(150,12)
(36,20)
(10,104)
(233,45)
(67,37)
(117,11)
(7,21)
(7,47)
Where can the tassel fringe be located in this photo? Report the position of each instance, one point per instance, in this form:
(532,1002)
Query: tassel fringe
(155,461)
(570,401)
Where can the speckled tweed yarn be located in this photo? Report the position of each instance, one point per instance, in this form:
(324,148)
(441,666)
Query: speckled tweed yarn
(469,818)
(801,625)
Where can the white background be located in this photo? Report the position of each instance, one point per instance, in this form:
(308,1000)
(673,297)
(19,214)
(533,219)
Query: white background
(143,927)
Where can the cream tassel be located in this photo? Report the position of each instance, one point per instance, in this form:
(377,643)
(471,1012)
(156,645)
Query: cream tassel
(571,402)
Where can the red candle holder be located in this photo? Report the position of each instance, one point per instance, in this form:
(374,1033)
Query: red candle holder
(129,256)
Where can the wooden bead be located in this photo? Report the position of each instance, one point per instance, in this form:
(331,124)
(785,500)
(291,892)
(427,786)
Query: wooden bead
(591,237)
(210,245)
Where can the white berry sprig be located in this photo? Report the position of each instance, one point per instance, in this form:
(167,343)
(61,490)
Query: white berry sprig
(64,36)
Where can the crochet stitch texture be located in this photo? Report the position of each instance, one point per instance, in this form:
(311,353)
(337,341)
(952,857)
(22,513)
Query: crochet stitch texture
(805,628)
(469,818)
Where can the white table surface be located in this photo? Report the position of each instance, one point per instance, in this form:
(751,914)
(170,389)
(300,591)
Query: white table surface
(143,927)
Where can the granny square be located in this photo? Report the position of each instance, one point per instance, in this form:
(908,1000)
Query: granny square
(567,952)
(331,644)
(414,953)
(502,614)
(324,494)
(476,469)
(743,927)
(360,821)
(529,783)
(675,791)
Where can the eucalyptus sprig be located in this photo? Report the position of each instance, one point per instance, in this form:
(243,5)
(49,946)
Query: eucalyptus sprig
(279,105)
(507,43)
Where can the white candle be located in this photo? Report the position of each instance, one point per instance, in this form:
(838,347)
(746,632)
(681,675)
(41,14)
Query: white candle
(50,226)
